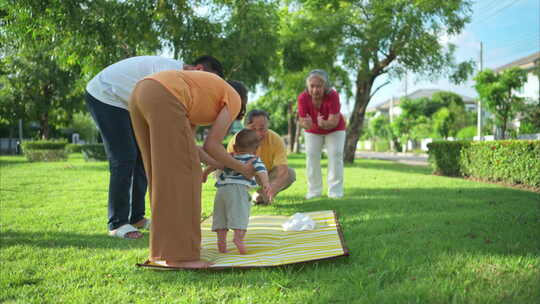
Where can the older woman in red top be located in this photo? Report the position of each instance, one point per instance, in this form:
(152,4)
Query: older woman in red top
(319,111)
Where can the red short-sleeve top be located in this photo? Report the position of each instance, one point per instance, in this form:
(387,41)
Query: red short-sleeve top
(329,105)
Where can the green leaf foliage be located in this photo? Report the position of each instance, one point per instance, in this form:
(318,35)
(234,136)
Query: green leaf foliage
(44,144)
(444,157)
(74,148)
(466,133)
(509,161)
(390,37)
(45,155)
(94,152)
(496,90)
(45,150)
(530,118)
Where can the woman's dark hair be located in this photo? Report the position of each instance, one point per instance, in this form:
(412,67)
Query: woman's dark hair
(242,91)
(255,113)
(211,64)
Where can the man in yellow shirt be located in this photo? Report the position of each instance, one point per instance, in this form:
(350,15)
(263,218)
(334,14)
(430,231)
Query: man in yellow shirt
(272,152)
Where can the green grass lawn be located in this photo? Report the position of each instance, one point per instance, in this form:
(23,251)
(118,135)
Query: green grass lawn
(413,238)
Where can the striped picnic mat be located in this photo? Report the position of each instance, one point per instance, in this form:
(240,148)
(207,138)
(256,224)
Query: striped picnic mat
(269,245)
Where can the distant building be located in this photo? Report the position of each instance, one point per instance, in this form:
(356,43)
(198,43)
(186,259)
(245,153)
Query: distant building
(531,89)
(391,106)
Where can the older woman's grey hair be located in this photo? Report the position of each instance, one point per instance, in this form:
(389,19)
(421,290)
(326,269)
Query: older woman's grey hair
(321,74)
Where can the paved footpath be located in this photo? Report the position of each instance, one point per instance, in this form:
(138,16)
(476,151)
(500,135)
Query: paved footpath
(405,158)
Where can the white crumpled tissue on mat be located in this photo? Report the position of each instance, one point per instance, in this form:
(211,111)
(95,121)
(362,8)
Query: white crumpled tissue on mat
(299,222)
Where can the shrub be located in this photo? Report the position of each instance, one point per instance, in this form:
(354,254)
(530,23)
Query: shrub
(44,145)
(382,146)
(83,124)
(45,150)
(511,161)
(467,133)
(444,156)
(94,152)
(74,148)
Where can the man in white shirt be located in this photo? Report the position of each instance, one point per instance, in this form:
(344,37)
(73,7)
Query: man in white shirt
(107,97)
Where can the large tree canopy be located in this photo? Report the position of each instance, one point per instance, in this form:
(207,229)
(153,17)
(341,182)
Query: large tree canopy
(379,37)
(50,48)
(274,43)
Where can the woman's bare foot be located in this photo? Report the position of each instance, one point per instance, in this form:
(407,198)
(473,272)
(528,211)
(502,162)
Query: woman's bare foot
(196,264)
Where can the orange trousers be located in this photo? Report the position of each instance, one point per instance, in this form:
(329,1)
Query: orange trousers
(173,168)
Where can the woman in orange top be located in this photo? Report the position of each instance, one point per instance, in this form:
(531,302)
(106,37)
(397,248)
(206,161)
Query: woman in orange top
(165,108)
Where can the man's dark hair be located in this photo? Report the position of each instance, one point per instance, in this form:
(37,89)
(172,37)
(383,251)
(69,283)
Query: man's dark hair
(211,64)
(242,91)
(255,113)
(246,139)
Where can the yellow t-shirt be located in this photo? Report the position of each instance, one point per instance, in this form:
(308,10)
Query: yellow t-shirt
(203,94)
(271,150)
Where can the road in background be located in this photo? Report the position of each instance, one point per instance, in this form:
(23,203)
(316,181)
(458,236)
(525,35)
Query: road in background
(405,158)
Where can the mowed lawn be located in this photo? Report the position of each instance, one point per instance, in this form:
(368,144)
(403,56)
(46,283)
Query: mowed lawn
(413,238)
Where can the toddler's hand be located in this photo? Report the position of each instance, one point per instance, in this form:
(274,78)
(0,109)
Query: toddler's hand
(204,177)
(269,193)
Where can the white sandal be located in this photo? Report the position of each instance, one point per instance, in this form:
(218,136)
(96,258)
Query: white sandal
(123,231)
(146,225)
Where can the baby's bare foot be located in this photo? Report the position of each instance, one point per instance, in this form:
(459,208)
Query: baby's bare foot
(241,246)
(222,247)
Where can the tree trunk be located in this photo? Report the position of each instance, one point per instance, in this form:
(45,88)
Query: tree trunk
(354,130)
(298,134)
(44,129)
(291,128)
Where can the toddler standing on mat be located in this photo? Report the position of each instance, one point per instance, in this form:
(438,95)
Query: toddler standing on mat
(232,202)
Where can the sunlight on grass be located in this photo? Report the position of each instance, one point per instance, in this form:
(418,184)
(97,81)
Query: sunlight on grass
(413,238)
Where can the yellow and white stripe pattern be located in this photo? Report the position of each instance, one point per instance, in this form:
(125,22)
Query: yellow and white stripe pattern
(269,245)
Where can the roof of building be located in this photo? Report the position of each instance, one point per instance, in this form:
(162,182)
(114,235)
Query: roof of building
(421,93)
(527,62)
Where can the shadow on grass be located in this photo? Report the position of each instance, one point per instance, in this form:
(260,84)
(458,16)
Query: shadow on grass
(13,161)
(486,214)
(396,236)
(54,239)
(297,161)
(390,166)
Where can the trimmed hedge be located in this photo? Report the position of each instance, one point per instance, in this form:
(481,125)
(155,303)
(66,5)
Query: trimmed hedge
(444,156)
(45,155)
(44,145)
(45,150)
(513,161)
(510,161)
(74,148)
(94,152)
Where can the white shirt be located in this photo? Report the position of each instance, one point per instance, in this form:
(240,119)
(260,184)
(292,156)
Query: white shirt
(114,84)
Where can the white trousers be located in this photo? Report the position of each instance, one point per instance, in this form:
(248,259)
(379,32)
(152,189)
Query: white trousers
(335,143)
